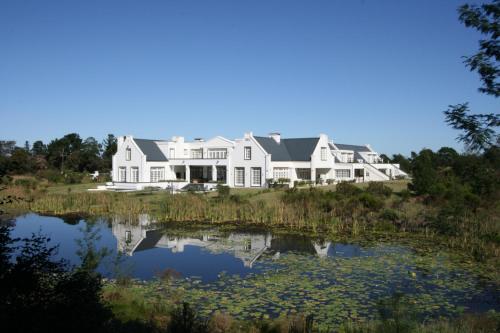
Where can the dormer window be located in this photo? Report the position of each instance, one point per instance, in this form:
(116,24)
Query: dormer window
(128,154)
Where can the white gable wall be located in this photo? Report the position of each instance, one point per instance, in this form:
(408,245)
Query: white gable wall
(259,159)
(138,159)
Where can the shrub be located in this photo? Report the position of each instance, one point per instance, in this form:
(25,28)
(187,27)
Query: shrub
(378,188)
(26,183)
(73,177)
(347,189)
(223,190)
(370,201)
(389,215)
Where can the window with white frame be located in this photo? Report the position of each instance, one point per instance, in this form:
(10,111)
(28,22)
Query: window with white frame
(172,153)
(122,174)
(157,174)
(217,153)
(134,174)
(239,176)
(343,173)
(323,153)
(248,153)
(255,175)
(197,153)
(280,173)
(304,174)
(186,152)
(128,154)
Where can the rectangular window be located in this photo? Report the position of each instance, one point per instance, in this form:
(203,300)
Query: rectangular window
(280,173)
(304,174)
(248,153)
(172,153)
(343,173)
(128,155)
(196,153)
(134,175)
(122,174)
(239,176)
(157,174)
(323,153)
(255,174)
(217,153)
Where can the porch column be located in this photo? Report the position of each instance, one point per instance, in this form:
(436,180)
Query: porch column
(313,175)
(188,174)
(214,173)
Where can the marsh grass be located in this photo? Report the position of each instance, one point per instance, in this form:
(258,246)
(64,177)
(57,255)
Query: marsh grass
(346,210)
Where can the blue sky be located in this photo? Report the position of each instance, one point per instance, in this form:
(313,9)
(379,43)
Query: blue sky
(361,71)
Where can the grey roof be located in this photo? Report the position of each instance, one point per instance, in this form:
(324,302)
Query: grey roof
(151,150)
(288,149)
(152,238)
(355,148)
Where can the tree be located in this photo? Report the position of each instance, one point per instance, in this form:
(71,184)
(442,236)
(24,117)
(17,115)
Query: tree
(39,294)
(59,151)
(110,146)
(424,172)
(479,129)
(20,161)
(485,19)
(39,148)
(404,163)
(90,155)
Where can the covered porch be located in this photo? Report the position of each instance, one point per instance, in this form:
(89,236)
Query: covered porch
(201,173)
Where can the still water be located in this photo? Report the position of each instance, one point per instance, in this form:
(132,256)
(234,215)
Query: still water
(250,272)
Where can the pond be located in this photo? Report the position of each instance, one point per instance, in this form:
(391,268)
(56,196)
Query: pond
(256,272)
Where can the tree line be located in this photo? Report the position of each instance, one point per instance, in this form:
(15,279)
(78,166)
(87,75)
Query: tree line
(66,155)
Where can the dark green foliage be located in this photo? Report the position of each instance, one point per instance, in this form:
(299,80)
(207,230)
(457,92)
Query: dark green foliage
(109,149)
(404,163)
(39,294)
(370,201)
(223,191)
(396,315)
(184,319)
(486,20)
(60,160)
(478,129)
(378,188)
(347,189)
(39,148)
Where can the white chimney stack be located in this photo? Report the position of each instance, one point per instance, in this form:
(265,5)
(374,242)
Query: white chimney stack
(275,136)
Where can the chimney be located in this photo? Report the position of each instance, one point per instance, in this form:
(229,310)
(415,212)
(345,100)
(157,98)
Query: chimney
(275,136)
(120,140)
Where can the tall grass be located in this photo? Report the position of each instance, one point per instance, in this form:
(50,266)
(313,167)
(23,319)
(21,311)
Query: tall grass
(84,203)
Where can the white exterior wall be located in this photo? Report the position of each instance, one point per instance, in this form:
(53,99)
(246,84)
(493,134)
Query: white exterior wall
(259,159)
(318,163)
(325,169)
(138,159)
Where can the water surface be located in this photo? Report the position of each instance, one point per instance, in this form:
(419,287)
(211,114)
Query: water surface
(250,273)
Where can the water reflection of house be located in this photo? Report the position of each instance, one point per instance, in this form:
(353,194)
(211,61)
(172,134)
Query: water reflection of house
(139,236)
(248,247)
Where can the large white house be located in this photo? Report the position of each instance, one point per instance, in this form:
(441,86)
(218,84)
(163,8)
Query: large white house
(252,161)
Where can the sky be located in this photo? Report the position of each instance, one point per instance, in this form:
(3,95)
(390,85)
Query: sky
(362,71)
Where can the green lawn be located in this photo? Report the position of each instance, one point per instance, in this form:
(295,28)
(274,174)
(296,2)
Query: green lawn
(251,193)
